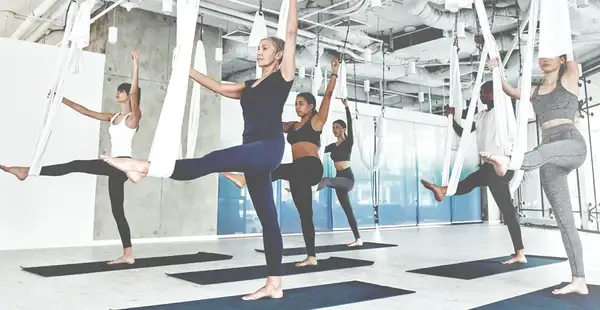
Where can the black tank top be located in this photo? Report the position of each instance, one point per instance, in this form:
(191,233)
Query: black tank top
(342,151)
(262,107)
(304,134)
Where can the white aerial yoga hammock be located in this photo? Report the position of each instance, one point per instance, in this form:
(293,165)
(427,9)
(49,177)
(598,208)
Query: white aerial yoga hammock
(258,32)
(456,96)
(555,29)
(194,117)
(283,16)
(371,160)
(506,124)
(166,146)
(77,32)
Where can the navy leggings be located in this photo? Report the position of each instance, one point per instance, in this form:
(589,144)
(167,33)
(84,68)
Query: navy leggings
(256,160)
(116,184)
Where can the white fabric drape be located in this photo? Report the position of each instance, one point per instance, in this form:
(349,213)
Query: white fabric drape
(317,80)
(259,30)
(371,147)
(69,62)
(283,16)
(341,85)
(455,101)
(555,29)
(466,134)
(166,146)
(194,117)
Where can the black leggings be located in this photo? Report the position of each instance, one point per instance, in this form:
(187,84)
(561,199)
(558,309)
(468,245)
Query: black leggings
(499,186)
(303,173)
(343,183)
(116,184)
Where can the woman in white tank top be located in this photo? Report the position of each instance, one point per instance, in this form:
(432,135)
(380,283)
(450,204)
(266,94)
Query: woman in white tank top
(123,126)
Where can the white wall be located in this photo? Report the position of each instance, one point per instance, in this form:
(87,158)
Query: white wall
(46,211)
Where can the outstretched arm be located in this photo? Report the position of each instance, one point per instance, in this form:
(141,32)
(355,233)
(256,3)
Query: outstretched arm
(87,112)
(513,92)
(134,120)
(233,91)
(321,118)
(288,65)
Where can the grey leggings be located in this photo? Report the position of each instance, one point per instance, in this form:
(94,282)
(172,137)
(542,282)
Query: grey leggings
(563,150)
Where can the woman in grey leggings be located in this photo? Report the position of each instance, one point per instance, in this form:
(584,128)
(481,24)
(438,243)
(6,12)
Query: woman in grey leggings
(563,150)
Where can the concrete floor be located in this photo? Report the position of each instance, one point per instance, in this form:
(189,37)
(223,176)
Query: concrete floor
(418,248)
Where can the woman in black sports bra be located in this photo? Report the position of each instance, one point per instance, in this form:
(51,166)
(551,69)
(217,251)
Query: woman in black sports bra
(344,178)
(306,170)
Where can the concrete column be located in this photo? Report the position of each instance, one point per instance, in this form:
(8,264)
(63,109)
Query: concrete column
(156,207)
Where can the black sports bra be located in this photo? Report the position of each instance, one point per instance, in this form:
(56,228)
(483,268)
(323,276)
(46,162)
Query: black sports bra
(304,134)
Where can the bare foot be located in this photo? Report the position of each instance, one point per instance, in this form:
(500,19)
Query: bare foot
(238,179)
(135,169)
(271,290)
(499,162)
(20,172)
(309,261)
(578,286)
(356,243)
(439,192)
(122,260)
(520,259)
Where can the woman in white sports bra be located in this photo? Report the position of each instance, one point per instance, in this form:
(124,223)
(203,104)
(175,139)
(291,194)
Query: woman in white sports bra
(123,126)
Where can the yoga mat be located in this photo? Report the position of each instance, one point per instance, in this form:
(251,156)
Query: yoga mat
(93,267)
(486,267)
(304,298)
(543,299)
(259,272)
(334,248)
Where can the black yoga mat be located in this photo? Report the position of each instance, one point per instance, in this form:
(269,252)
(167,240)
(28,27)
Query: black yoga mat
(334,248)
(545,300)
(259,272)
(304,298)
(486,267)
(93,267)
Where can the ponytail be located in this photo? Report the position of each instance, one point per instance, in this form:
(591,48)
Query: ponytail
(561,70)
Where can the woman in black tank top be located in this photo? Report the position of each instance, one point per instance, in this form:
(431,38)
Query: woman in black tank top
(344,178)
(305,171)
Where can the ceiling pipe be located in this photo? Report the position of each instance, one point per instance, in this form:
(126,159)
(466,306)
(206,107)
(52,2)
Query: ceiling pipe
(41,31)
(270,24)
(28,23)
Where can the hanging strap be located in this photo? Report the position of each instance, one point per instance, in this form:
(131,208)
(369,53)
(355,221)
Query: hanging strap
(167,138)
(67,65)
(465,139)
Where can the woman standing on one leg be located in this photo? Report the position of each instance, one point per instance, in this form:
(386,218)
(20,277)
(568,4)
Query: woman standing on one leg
(306,169)
(262,104)
(484,125)
(563,150)
(344,178)
(123,126)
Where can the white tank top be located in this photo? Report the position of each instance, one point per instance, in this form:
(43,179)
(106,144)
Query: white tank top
(121,137)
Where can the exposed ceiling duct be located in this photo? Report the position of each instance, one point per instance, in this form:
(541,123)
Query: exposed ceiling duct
(435,16)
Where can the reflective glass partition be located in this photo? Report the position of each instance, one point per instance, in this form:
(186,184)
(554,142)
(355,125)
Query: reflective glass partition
(413,151)
(399,184)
